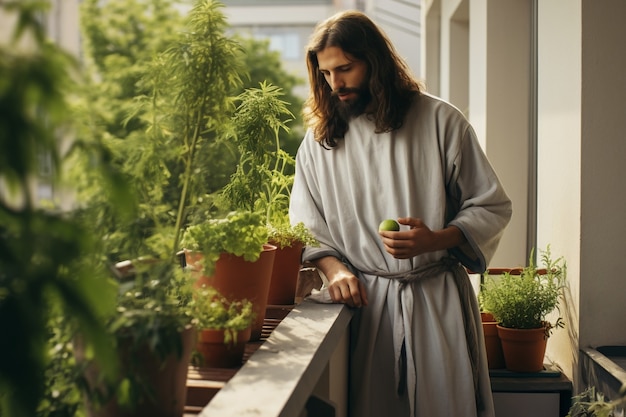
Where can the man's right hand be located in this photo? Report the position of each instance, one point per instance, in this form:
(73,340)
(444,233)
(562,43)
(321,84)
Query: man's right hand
(343,285)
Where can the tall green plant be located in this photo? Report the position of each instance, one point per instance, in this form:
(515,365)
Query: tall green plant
(121,39)
(183,102)
(264,175)
(183,99)
(260,182)
(264,65)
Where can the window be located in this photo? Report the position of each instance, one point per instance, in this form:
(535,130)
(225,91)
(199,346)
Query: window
(288,44)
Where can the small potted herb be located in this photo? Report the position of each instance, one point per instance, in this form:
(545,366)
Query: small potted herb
(242,234)
(520,304)
(231,254)
(224,328)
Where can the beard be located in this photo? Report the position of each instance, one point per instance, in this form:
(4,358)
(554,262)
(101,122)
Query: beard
(352,108)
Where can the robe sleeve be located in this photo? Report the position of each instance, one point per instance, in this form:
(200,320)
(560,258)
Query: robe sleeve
(478,204)
(306,203)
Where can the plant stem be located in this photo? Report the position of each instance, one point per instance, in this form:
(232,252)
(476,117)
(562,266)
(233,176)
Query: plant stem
(186,179)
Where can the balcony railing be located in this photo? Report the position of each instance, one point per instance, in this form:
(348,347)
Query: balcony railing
(299,370)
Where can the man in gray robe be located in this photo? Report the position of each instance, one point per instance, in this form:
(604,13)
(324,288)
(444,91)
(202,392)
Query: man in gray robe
(378,147)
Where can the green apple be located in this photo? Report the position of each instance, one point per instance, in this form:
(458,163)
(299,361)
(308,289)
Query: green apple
(389,225)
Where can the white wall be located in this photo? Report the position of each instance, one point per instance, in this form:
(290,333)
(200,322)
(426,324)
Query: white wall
(401,21)
(559,168)
(499,106)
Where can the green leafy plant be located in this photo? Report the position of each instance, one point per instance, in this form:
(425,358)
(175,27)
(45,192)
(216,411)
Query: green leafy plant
(151,317)
(151,307)
(212,310)
(261,181)
(264,175)
(284,234)
(240,233)
(183,103)
(524,301)
(173,145)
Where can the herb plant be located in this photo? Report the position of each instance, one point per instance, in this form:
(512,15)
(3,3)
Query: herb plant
(240,233)
(264,175)
(213,311)
(524,301)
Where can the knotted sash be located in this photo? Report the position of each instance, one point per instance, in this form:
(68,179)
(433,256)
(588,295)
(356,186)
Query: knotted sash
(401,345)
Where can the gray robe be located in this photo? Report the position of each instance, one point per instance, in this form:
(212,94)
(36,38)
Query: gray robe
(431,168)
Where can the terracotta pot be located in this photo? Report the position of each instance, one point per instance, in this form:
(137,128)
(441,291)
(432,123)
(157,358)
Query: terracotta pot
(523,349)
(167,379)
(493,345)
(285,275)
(218,354)
(237,279)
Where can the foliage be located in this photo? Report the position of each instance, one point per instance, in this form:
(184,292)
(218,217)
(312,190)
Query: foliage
(120,40)
(142,118)
(63,397)
(211,310)
(263,178)
(285,234)
(264,65)
(183,105)
(260,115)
(524,301)
(174,151)
(49,264)
(151,316)
(591,403)
(240,233)
(152,306)
(149,145)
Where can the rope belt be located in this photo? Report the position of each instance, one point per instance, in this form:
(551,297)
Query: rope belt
(466,294)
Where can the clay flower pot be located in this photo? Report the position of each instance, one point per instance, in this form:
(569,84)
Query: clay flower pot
(493,345)
(217,352)
(523,349)
(237,279)
(285,275)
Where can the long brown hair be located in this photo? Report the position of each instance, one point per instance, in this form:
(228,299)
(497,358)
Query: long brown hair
(391,84)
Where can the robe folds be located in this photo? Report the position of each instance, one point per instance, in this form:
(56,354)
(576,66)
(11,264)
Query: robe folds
(409,353)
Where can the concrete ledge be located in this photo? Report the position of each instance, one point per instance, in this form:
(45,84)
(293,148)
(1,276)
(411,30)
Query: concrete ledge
(278,379)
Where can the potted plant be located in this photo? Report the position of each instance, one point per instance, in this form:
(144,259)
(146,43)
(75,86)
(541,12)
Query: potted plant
(493,345)
(224,328)
(154,339)
(263,180)
(520,304)
(231,254)
(290,241)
